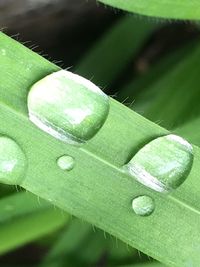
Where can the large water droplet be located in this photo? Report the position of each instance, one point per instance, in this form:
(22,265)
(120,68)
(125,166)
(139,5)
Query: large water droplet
(143,205)
(12,162)
(163,164)
(68,107)
(66,162)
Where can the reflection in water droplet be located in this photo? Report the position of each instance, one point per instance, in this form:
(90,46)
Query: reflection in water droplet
(66,163)
(143,205)
(163,164)
(12,162)
(68,107)
(3,52)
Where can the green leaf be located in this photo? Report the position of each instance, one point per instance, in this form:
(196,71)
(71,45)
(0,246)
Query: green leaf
(70,247)
(24,219)
(119,253)
(20,204)
(109,56)
(152,264)
(139,90)
(190,130)
(98,189)
(174,9)
(174,94)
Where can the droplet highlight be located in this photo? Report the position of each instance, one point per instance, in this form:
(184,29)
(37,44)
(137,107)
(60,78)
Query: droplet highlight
(143,205)
(163,164)
(3,52)
(68,107)
(12,162)
(66,163)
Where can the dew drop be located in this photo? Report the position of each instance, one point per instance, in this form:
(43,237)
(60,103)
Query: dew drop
(143,205)
(68,107)
(12,162)
(66,162)
(163,164)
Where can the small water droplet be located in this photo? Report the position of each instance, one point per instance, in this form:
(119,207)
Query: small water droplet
(12,162)
(68,107)
(143,205)
(163,164)
(66,162)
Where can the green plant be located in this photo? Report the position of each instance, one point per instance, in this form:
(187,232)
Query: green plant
(92,181)
(166,9)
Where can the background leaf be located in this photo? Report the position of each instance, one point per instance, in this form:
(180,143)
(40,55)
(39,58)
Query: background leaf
(174,9)
(24,219)
(110,55)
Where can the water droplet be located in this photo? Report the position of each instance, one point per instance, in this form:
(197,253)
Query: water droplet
(143,205)
(68,107)
(12,162)
(66,162)
(163,164)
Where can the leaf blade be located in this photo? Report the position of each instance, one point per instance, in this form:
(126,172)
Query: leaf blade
(98,190)
(105,61)
(179,9)
(23,218)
